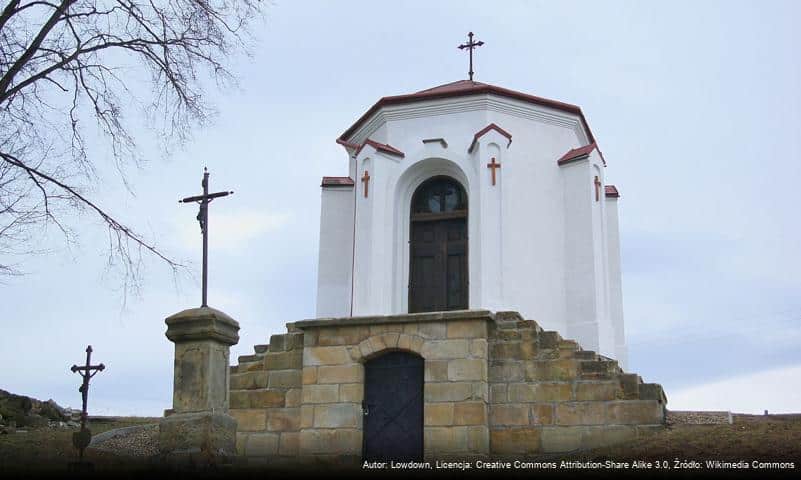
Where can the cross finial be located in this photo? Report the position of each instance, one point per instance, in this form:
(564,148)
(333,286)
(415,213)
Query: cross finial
(471,45)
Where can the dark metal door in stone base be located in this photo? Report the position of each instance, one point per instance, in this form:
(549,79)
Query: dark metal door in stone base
(393,407)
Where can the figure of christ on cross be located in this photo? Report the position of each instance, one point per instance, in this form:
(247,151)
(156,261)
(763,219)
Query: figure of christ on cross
(88,371)
(471,45)
(493,166)
(203,217)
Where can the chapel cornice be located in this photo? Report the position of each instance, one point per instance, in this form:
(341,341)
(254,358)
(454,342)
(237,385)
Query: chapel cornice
(489,103)
(466,89)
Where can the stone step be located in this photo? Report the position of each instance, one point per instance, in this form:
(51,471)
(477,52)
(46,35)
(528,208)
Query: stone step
(505,321)
(286,341)
(630,383)
(532,325)
(585,355)
(549,340)
(569,345)
(288,360)
(250,366)
(598,369)
(248,380)
(249,358)
(261,349)
(652,391)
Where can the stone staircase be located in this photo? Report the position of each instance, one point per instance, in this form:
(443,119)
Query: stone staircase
(574,398)
(558,359)
(265,397)
(540,393)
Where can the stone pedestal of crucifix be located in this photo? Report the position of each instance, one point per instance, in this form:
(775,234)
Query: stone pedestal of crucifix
(198,428)
(199,423)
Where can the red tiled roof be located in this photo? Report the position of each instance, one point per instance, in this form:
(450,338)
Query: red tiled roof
(576,154)
(465,88)
(354,146)
(381,147)
(337,182)
(486,129)
(611,191)
(449,87)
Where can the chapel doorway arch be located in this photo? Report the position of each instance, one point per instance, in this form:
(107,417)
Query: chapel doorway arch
(393,407)
(438,276)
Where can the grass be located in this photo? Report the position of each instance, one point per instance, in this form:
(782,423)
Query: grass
(772,438)
(43,450)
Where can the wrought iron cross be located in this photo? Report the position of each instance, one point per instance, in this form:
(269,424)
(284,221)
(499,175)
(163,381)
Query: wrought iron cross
(87,372)
(471,45)
(203,218)
(492,166)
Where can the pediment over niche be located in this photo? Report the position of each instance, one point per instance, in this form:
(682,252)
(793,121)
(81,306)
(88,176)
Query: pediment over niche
(489,128)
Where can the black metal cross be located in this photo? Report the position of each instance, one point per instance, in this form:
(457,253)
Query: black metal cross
(87,372)
(471,45)
(203,218)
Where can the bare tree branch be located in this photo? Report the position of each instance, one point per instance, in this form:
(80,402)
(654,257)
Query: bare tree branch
(63,62)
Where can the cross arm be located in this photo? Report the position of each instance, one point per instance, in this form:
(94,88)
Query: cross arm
(199,198)
(76,368)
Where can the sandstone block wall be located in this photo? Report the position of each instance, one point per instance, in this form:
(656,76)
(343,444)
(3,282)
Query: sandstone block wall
(455,392)
(266,398)
(548,395)
(494,385)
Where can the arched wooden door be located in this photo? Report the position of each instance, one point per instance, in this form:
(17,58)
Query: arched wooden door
(438,276)
(393,407)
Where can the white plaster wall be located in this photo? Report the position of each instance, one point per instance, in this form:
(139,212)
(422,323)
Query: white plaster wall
(615,282)
(581,306)
(538,242)
(606,343)
(533,218)
(335,259)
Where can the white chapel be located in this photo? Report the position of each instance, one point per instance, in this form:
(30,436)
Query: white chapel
(473,196)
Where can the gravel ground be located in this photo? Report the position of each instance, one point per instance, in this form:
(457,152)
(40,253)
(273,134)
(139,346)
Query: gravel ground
(698,418)
(139,441)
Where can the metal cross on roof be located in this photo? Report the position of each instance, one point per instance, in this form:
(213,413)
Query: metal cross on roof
(203,218)
(471,45)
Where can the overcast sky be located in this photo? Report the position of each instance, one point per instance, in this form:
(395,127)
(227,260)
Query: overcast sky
(696,106)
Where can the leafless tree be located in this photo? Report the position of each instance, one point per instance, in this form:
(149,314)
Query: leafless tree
(63,62)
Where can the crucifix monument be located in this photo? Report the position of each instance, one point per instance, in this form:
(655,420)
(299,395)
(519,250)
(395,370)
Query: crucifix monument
(203,218)
(198,428)
(83,437)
